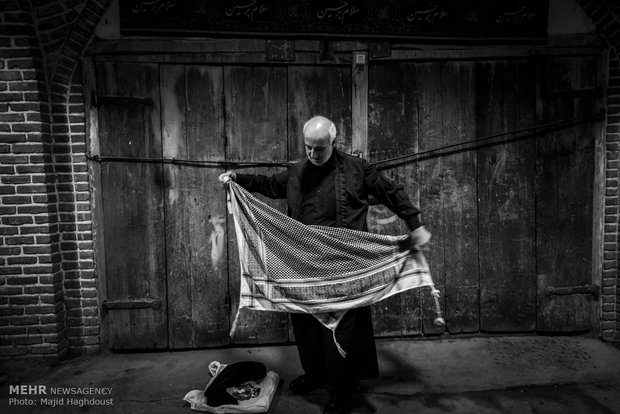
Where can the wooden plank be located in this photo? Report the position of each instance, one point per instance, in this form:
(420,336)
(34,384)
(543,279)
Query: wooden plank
(133,46)
(392,130)
(241,58)
(255,104)
(565,162)
(459,198)
(89,74)
(206,141)
(136,46)
(318,90)
(141,135)
(197,269)
(134,254)
(359,104)
(562,313)
(505,102)
(392,110)
(415,53)
(256,126)
(132,214)
(430,179)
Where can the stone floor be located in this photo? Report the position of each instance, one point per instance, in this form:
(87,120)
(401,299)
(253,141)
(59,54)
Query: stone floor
(508,374)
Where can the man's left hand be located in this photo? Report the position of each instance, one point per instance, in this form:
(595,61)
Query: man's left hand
(419,238)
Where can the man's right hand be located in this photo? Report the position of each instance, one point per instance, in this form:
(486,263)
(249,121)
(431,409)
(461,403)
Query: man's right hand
(227,176)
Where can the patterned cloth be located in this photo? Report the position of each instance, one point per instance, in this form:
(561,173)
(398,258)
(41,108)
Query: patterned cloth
(292,267)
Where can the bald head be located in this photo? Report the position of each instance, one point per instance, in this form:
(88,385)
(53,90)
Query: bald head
(319,125)
(319,136)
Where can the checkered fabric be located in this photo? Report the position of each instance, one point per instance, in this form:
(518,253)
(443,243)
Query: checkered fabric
(292,267)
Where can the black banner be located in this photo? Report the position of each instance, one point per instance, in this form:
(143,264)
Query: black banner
(493,19)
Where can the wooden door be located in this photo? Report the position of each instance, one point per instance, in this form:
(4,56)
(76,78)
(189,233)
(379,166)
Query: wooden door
(192,120)
(428,106)
(195,210)
(133,219)
(511,236)
(569,89)
(255,113)
(506,219)
(506,102)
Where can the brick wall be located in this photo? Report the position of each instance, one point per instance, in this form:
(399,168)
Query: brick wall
(606,16)
(48,303)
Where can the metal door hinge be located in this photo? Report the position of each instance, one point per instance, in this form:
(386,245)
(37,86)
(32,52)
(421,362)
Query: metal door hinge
(120,100)
(572,290)
(131,304)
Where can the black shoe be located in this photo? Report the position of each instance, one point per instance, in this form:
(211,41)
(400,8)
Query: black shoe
(302,385)
(339,403)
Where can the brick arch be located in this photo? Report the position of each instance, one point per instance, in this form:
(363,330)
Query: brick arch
(72,188)
(47,286)
(606,18)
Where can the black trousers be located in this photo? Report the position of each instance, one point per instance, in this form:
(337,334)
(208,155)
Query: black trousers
(320,358)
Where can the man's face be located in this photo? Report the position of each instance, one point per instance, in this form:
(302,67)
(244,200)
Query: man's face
(318,147)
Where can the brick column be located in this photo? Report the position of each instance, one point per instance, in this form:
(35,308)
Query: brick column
(610,323)
(32,314)
(606,16)
(48,302)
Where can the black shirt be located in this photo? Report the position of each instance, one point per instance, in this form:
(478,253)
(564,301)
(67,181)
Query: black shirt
(319,194)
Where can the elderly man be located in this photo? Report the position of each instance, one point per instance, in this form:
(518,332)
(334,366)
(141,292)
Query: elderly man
(331,188)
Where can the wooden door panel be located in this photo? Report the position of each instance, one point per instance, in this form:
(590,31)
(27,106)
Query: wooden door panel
(131,128)
(255,116)
(132,214)
(392,110)
(564,188)
(430,179)
(423,107)
(564,179)
(392,131)
(318,90)
(134,250)
(459,198)
(196,253)
(505,102)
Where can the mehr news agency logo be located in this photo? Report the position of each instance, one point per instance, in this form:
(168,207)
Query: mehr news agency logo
(42,395)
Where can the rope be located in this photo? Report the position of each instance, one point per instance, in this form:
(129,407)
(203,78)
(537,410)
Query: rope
(195,163)
(527,133)
(524,133)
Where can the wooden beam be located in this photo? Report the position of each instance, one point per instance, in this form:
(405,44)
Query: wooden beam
(96,200)
(340,59)
(359,104)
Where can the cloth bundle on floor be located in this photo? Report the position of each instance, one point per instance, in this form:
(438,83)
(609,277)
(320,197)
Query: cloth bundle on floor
(233,375)
(291,267)
(241,387)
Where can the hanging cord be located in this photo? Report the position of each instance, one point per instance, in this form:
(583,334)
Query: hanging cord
(520,134)
(194,163)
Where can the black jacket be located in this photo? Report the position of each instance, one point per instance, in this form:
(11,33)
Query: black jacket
(357,182)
